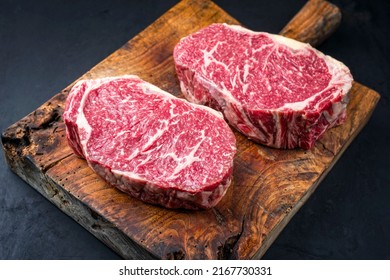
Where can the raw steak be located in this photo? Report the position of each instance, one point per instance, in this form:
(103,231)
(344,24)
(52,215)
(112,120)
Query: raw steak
(150,144)
(275,90)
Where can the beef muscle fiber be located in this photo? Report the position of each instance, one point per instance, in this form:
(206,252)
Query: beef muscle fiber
(146,142)
(277,91)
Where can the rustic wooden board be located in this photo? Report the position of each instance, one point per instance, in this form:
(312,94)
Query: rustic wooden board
(269,185)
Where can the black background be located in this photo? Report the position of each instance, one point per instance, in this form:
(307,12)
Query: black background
(46,45)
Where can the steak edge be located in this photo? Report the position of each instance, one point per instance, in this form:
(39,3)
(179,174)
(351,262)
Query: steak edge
(277,91)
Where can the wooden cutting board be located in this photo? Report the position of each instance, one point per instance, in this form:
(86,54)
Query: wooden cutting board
(269,185)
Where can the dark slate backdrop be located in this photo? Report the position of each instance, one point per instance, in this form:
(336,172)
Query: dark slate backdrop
(46,45)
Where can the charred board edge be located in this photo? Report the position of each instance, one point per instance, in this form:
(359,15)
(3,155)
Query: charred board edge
(96,224)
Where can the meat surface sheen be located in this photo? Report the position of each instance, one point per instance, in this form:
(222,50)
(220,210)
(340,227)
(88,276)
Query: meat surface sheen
(277,91)
(150,144)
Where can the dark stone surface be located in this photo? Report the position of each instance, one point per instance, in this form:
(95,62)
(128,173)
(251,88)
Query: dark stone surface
(46,45)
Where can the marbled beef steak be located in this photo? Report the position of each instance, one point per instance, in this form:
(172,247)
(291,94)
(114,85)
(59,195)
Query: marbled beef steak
(277,91)
(146,142)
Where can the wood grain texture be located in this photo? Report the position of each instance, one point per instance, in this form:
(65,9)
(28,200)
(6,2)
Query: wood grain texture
(314,23)
(269,185)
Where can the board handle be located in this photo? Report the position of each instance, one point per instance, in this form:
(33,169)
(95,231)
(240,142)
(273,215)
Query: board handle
(315,22)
